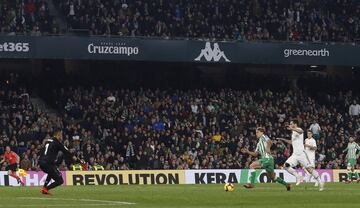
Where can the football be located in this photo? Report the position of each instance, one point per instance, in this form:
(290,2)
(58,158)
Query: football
(229,187)
(22,173)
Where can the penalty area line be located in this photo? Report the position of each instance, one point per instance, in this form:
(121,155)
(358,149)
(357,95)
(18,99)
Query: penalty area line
(83,200)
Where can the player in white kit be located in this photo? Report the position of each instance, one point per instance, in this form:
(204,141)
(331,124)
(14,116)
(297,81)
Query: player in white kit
(310,148)
(299,156)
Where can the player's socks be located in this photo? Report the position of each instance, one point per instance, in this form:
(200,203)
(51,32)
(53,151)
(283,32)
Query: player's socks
(350,176)
(47,181)
(253,177)
(321,186)
(20,182)
(281,181)
(308,176)
(56,183)
(292,171)
(315,174)
(15,176)
(356,175)
(53,185)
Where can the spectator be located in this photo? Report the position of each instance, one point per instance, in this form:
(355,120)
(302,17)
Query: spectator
(25,163)
(315,129)
(354,109)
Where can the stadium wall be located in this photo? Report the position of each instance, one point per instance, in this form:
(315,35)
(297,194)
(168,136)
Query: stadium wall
(32,178)
(83,178)
(143,49)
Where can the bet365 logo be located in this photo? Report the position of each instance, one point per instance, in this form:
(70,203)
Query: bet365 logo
(212,54)
(14,47)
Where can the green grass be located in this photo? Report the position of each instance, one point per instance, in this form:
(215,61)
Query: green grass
(264,195)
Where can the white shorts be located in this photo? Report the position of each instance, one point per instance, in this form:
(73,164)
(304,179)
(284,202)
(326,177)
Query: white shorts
(299,159)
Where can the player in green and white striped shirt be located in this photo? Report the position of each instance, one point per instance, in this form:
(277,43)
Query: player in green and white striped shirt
(351,150)
(266,160)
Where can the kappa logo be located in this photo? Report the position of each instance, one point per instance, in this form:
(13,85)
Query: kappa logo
(212,54)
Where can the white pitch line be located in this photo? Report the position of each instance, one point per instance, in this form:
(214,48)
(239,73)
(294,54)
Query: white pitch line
(84,200)
(62,205)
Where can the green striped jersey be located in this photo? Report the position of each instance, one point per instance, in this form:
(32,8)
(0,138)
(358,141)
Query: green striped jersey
(351,149)
(261,147)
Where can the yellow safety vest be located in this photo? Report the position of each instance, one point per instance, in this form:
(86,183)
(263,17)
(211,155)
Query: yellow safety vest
(98,167)
(77,167)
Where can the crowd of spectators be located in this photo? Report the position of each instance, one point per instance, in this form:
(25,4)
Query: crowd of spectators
(26,17)
(295,20)
(122,129)
(244,20)
(198,129)
(22,127)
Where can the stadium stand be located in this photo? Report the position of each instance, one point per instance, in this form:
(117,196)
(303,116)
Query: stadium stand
(175,129)
(299,20)
(245,20)
(21,125)
(30,17)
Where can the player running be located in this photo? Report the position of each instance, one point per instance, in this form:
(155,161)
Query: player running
(13,161)
(310,148)
(48,158)
(266,161)
(299,156)
(351,150)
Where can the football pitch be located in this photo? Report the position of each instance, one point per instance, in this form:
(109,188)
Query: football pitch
(134,196)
